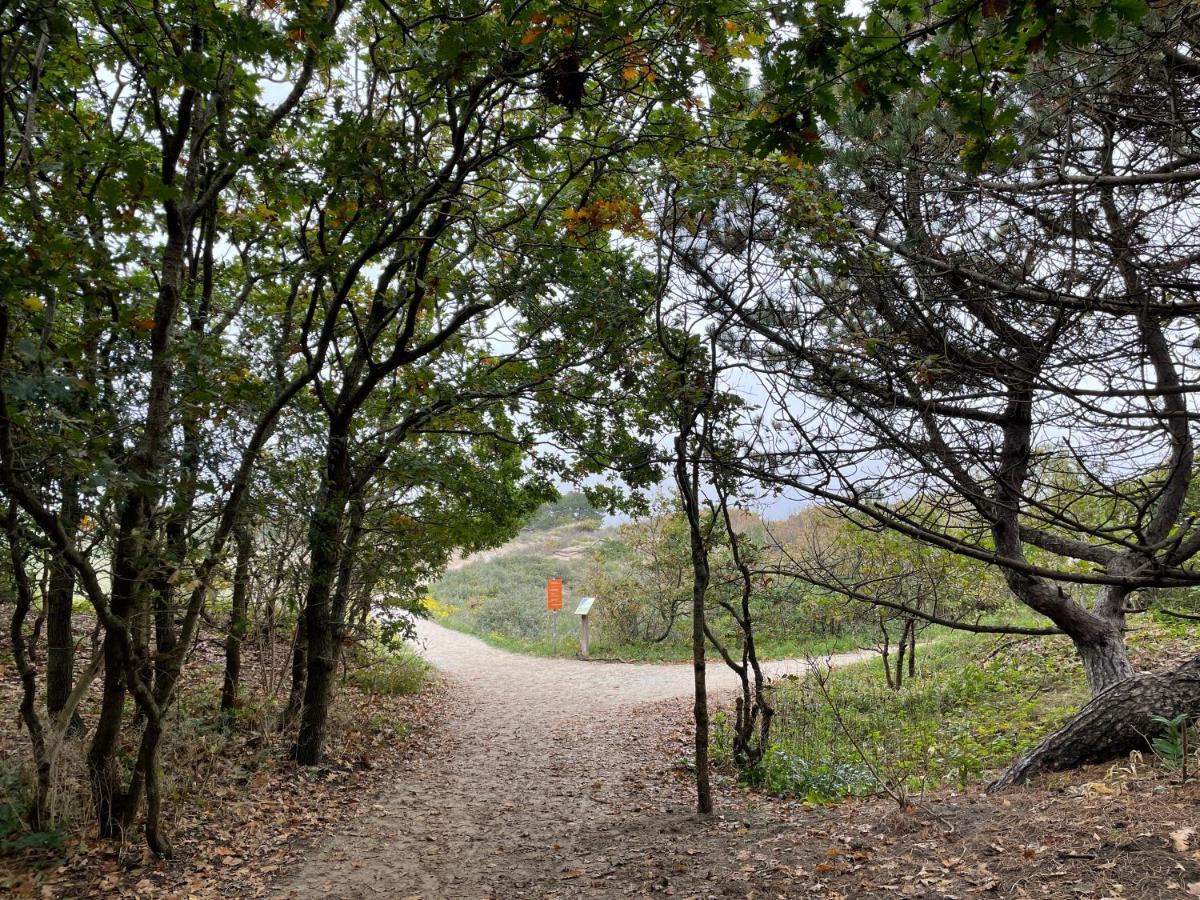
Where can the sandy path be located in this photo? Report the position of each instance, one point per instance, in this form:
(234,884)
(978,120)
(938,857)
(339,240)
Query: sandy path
(542,783)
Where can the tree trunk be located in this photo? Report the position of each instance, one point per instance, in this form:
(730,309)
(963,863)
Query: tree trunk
(103,771)
(155,839)
(321,652)
(331,561)
(1098,634)
(901,651)
(700,708)
(299,671)
(345,579)
(688,478)
(752,706)
(1115,722)
(146,602)
(1105,659)
(237,623)
(60,641)
(912,648)
(40,811)
(146,779)
(885,651)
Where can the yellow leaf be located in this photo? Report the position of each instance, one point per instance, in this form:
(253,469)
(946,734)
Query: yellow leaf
(33,304)
(630,73)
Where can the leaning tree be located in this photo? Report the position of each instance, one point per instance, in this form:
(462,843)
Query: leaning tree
(1000,364)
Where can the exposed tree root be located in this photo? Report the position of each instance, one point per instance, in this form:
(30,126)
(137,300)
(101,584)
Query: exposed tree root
(1116,721)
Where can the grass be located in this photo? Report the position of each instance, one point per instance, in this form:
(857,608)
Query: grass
(969,713)
(396,672)
(501,598)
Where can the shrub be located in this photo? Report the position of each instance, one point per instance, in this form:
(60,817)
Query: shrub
(966,715)
(396,672)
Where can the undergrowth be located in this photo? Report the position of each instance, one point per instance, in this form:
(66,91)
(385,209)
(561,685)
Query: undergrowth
(973,707)
(501,599)
(396,671)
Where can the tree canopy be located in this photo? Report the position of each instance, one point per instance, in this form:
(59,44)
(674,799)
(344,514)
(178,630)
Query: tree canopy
(312,298)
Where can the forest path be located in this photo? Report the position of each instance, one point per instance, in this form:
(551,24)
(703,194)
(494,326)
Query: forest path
(549,779)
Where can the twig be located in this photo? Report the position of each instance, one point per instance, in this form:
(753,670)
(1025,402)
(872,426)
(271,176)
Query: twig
(900,798)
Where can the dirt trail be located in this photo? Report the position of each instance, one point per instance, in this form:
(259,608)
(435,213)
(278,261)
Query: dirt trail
(549,779)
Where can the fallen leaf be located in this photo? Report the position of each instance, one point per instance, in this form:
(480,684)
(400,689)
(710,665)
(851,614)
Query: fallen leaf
(1181,839)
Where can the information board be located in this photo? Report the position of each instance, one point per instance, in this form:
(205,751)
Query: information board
(554,594)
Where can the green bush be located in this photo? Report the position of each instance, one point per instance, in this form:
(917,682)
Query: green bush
(396,672)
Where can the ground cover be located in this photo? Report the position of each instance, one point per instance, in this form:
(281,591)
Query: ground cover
(237,808)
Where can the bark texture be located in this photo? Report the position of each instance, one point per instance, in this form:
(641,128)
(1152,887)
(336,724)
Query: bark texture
(1118,720)
(60,641)
(238,624)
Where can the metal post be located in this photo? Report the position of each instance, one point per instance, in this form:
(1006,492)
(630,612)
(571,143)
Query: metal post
(583,637)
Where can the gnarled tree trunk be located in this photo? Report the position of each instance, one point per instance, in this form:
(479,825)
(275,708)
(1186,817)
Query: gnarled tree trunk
(1118,720)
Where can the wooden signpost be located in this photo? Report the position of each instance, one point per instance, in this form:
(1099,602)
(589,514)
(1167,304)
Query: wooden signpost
(554,603)
(585,607)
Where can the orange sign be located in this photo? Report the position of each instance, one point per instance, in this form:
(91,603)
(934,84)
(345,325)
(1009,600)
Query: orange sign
(554,594)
